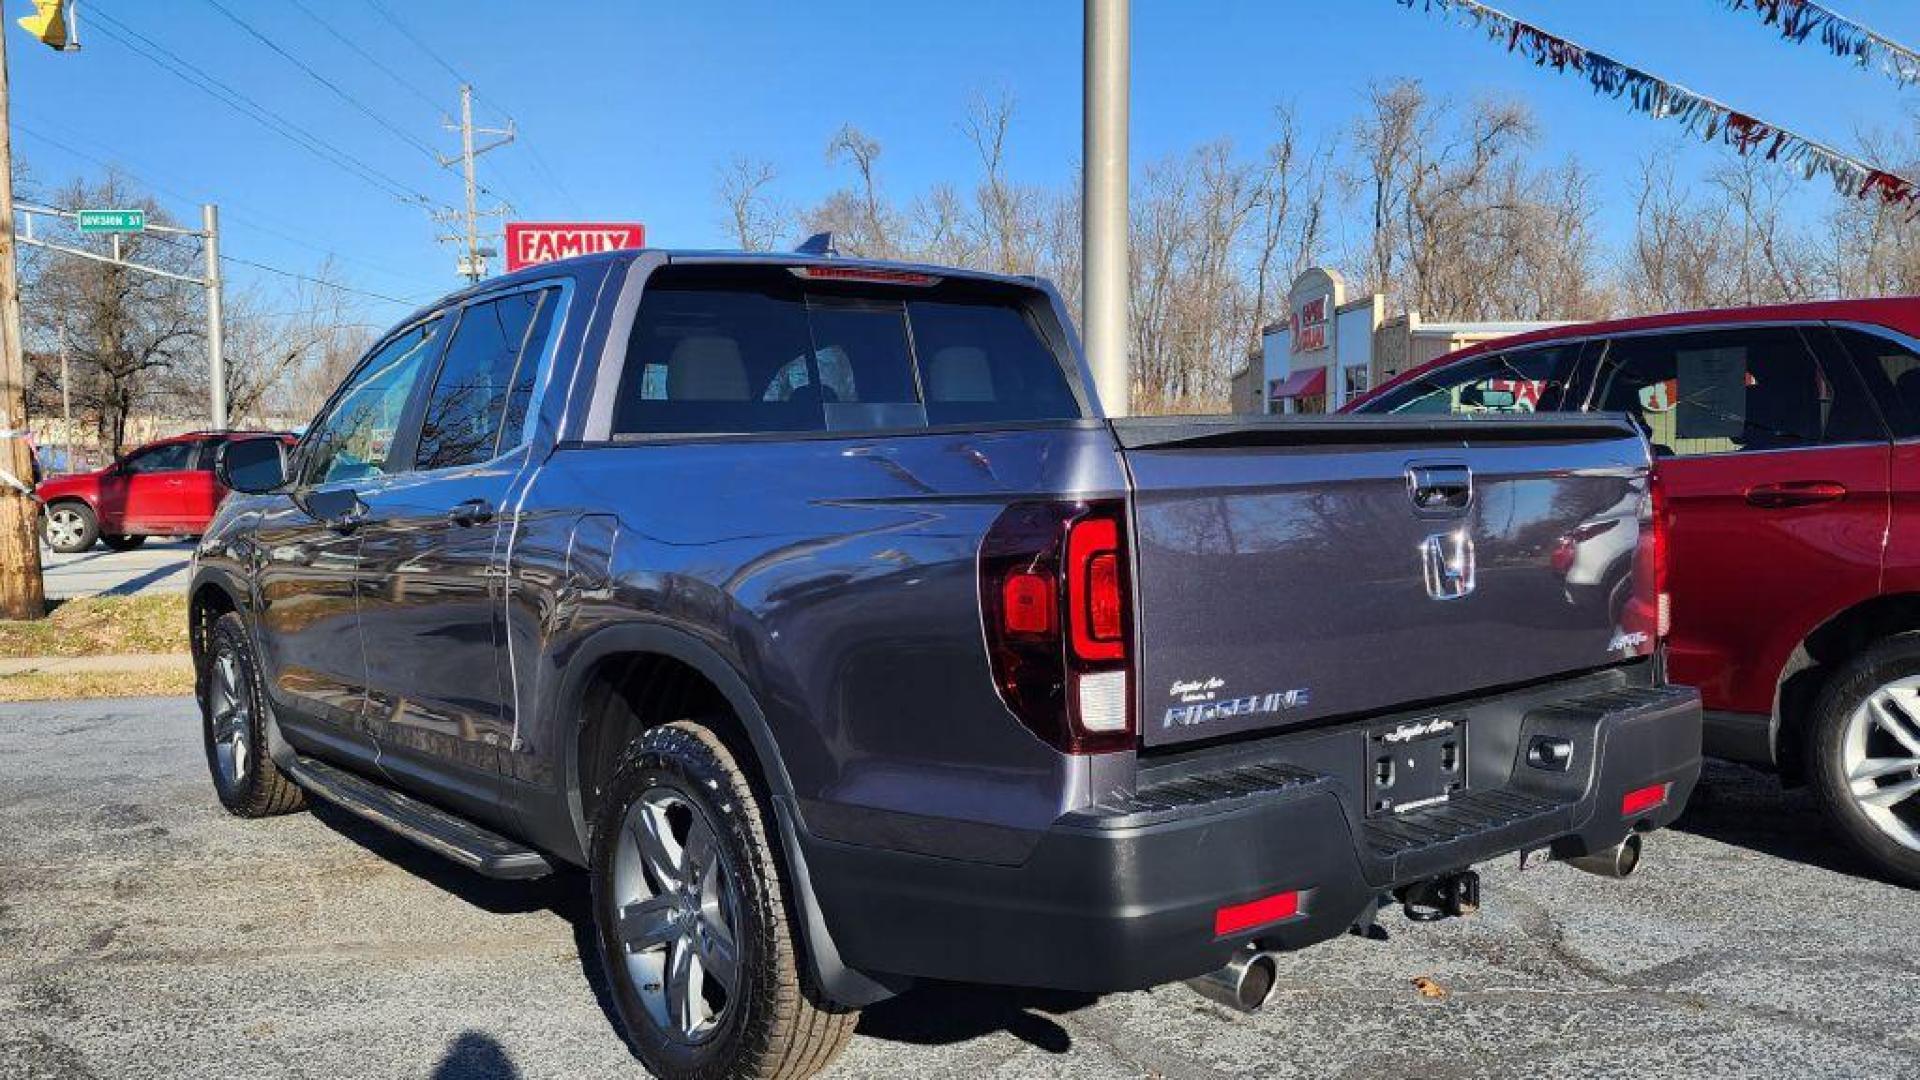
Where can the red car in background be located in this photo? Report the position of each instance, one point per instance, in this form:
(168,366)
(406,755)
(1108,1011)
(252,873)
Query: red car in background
(1787,454)
(164,488)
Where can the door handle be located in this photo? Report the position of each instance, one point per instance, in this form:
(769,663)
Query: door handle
(1792,493)
(347,520)
(1439,488)
(471,512)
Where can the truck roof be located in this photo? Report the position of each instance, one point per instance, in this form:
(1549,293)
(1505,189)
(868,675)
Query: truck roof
(715,255)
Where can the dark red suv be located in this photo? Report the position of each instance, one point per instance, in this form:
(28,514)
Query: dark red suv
(1787,445)
(164,488)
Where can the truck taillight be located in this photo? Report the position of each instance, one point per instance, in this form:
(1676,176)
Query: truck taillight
(1649,610)
(1053,594)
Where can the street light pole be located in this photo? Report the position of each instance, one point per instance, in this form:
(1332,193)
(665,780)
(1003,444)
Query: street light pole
(216,338)
(22,594)
(1103,205)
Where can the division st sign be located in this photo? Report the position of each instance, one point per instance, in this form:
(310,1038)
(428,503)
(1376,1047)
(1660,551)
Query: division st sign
(111,221)
(530,243)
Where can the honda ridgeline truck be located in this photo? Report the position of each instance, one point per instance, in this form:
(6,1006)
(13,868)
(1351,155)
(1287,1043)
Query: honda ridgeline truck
(815,608)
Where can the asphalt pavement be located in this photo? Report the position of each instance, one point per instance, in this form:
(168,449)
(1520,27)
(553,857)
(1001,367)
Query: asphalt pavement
(144,933)
(156,566)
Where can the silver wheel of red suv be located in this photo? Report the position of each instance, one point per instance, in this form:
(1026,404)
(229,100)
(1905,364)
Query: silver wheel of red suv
(1863,754)
(1880,752)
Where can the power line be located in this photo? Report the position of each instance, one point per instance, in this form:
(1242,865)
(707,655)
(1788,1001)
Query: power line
(239,212)
(382,10)
(393,20)
(194,76)
(350,99)
(343,39)
(293,274)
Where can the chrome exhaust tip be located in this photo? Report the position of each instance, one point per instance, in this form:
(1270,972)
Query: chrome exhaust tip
(1618,861)
(1243,985)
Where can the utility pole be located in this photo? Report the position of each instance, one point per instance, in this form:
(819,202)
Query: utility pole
(1103,201)
(216,336)
(474,263)
(22,594)
(66,395)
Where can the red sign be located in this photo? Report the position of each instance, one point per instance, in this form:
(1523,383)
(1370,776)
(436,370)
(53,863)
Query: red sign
(530,243)
(1308,324)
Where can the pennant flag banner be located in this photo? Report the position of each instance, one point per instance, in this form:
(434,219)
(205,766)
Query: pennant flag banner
(1700,115)
(1799,20)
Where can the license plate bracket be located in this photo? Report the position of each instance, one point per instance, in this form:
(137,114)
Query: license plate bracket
(1416,764)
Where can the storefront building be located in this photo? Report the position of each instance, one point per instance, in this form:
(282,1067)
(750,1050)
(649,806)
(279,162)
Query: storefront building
(1330,350)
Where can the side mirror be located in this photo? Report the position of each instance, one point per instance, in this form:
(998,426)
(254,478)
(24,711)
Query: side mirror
(251,466)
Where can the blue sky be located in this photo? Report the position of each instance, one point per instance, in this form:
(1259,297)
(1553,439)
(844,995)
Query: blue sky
(627,109)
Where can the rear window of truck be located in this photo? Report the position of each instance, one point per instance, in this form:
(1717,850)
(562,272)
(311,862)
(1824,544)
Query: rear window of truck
(722,350)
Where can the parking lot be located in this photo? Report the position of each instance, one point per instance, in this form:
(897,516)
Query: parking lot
(145,933)
(156,566)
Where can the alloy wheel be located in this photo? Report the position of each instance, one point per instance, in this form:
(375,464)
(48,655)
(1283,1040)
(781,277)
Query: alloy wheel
(1880,756)
(64,527)
(232,720)
(678,908)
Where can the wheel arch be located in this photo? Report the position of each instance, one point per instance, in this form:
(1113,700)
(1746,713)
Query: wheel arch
(1821,653)
(622,661)
(210,599)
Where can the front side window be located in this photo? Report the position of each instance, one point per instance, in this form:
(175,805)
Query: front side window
(1521,381)
(354,440)
(173,457)
(478,403)
(1728,391)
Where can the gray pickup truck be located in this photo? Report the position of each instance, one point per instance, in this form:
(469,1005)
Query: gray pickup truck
(814,608)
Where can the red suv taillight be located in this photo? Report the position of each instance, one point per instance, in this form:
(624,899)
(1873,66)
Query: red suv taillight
(1053,594)
(1650,610)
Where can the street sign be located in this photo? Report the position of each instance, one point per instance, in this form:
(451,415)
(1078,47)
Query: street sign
(113,221)
(530,243)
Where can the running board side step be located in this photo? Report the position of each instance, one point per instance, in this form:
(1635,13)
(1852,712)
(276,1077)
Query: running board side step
(455,838)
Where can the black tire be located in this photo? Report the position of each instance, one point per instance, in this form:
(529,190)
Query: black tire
(230,678)
(1885,662)
(69,527)
(122,541)
(774,1025)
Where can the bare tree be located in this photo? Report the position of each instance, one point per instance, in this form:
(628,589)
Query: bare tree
(750,215)
(860,219)
(124,330)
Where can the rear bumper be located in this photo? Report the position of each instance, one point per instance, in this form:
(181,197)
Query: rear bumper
(1124,896)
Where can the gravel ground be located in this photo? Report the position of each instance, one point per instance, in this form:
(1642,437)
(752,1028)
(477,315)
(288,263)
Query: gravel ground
(145,933)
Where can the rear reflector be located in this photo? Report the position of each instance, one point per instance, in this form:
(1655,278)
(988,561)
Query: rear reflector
(1641,800)
(1272,909)
(1103,700)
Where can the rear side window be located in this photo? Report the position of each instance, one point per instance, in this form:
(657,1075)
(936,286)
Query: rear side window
(1894,373)
(763,351)
(1728,391)
(478,404)
(1522,381)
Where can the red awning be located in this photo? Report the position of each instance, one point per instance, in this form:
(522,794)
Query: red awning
(1301,384)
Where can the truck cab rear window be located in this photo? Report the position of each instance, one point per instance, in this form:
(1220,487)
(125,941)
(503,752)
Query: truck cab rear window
(725,350)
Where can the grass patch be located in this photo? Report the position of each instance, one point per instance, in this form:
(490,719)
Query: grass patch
(101,626)
(52,685)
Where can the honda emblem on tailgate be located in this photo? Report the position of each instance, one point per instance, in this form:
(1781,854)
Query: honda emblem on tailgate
(1447,559)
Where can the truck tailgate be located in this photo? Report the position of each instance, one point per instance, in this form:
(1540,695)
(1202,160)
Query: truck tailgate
(1292,570)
